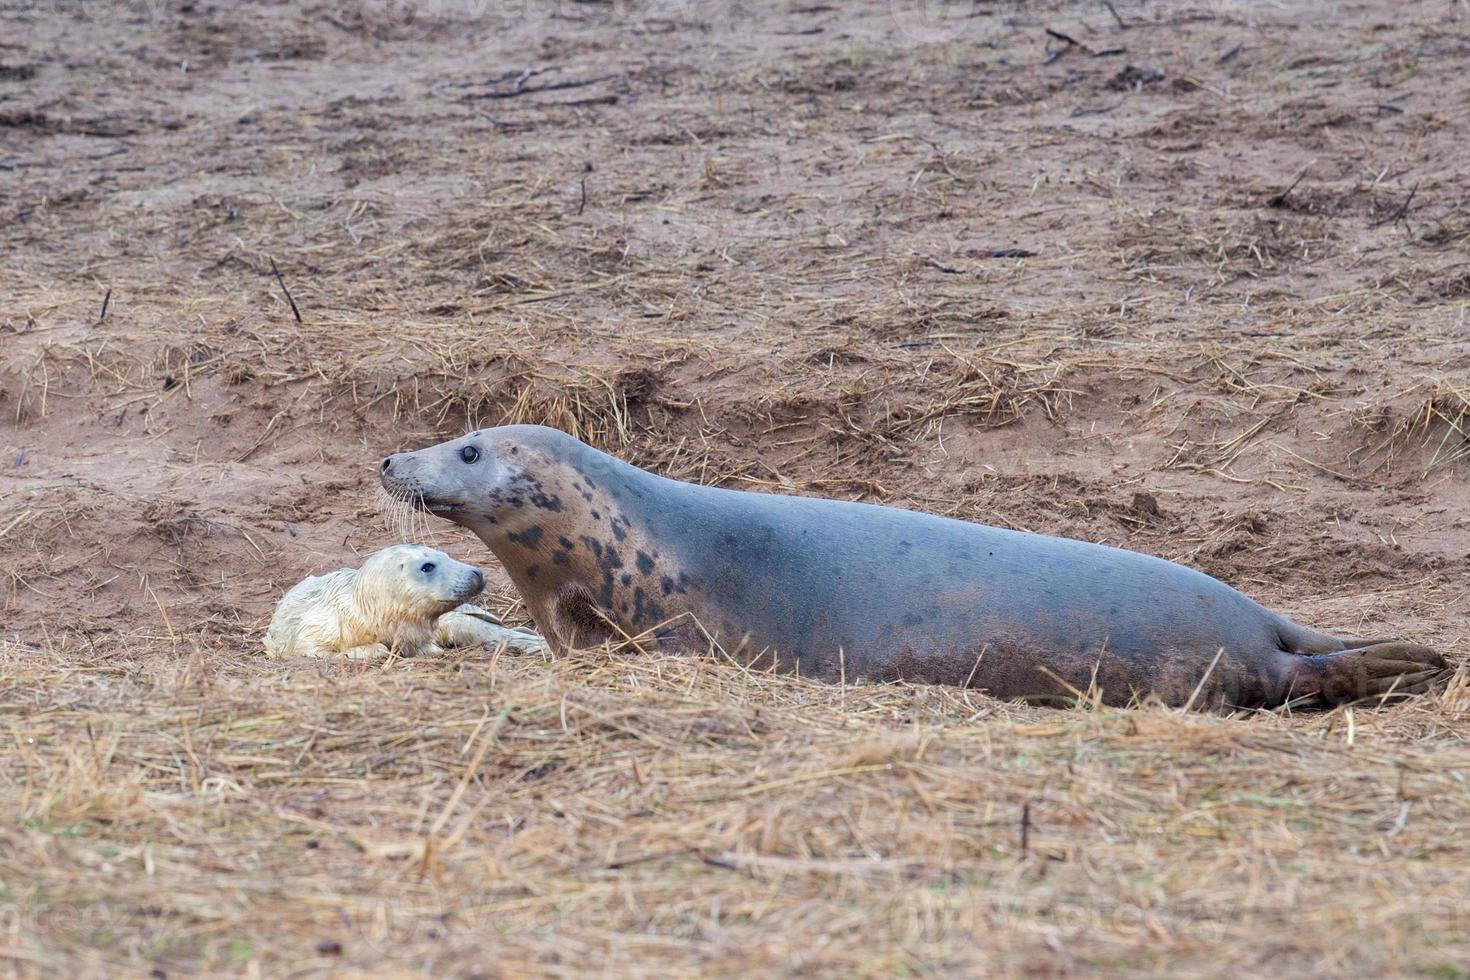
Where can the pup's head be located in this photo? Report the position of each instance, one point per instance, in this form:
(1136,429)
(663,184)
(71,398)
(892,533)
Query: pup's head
(417,581)
(488,477)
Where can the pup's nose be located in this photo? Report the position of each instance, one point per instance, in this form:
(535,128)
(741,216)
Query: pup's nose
(386,466)
(477,578)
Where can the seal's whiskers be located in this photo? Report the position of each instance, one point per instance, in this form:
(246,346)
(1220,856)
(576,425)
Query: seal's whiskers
(400,516)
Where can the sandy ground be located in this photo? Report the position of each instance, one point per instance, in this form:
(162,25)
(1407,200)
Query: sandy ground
(1185,278)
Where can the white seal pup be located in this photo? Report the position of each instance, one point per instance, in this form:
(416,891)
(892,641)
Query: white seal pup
(407,599)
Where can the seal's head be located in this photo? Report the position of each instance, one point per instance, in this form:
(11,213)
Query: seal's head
(487,477)
(414,582)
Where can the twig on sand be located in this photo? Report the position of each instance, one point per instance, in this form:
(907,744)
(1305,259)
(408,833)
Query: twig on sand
(282,280)
(519,89)
(593,100)
(1122,24)
(947,269)
(1096,110)
(1398,215)
(1279,200)
(1067,39)
(106,299)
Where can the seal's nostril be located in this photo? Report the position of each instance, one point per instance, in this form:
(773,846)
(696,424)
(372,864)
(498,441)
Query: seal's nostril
(479,581)
(386,465)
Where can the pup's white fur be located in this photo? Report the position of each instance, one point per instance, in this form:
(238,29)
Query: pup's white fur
(404,599)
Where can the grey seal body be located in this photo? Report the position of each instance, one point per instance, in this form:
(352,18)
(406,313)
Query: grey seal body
(840,590)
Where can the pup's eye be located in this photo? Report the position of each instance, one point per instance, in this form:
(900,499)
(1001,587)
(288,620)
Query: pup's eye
(426,567)
(469,454)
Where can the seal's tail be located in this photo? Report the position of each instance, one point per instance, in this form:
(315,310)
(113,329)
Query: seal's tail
(1387,669)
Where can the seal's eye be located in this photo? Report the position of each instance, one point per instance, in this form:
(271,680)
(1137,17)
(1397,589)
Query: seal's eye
(427,567)
(469,454)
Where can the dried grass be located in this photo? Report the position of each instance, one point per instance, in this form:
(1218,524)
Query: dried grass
(649,816)
(1440,425)
(991,390)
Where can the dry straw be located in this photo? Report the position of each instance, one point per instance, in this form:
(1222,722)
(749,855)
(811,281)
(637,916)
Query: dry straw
(649,816)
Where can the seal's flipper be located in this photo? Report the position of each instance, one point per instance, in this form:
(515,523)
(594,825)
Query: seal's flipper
(1299,639)
(1382,669)
(578,621)
(372,652)
(483,615)
(1296,638)
(471,626)
(1358,642)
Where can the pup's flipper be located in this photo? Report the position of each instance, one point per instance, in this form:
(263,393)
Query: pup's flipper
(471,626)
(371,652)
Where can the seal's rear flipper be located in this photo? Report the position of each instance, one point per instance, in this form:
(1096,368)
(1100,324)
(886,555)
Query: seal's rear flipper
(1382,669)
(1296,638)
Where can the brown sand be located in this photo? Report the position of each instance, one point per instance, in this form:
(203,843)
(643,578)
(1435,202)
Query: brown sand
(745,244)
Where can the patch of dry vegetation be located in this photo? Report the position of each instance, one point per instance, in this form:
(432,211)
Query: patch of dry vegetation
(649,816)
(1434,431)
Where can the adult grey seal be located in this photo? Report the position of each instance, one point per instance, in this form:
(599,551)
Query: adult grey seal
(602,550)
